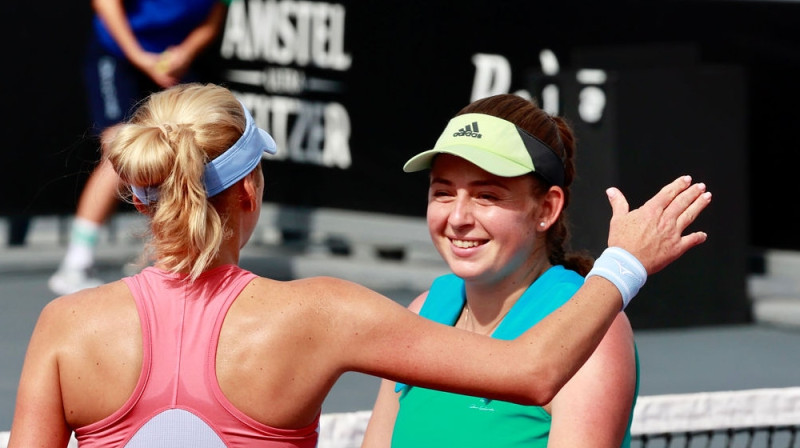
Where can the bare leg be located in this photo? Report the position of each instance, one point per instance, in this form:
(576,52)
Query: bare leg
(97,202)
(99,197)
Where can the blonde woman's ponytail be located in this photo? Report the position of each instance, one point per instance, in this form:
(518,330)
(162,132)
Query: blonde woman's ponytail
(164,149)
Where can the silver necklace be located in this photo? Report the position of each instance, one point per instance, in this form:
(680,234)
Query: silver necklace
(469,321)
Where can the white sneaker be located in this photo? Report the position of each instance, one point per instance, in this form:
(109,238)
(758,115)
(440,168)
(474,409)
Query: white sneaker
(67,281)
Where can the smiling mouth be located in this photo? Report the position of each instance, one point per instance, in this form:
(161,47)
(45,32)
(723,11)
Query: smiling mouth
(464,244)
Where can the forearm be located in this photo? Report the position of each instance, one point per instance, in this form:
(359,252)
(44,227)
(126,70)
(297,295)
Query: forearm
(562,342)
(202,36)
(112,13)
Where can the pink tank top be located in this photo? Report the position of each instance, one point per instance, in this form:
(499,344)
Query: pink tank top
(177,401)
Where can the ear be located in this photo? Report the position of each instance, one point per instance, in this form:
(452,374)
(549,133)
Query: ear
(551,206)
(249,193)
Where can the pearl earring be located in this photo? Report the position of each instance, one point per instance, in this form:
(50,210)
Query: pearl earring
(541,224)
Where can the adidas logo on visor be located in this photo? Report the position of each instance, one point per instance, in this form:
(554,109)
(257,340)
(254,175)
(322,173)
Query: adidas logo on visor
(469,131)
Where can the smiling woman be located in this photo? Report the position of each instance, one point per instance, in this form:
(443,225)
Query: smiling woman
(499,184)
(480,222)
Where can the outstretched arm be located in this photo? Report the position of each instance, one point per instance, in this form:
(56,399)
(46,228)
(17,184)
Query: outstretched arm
(534,367)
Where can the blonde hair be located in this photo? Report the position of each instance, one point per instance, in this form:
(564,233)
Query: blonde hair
(166,145)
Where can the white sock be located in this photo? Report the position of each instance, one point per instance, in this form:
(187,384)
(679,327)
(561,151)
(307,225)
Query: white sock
(82,241)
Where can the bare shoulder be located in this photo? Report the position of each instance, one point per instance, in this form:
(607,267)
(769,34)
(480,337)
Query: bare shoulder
(617,346)
(88,302)
(621,328)
(108,306)
(98,324)
(416,304)
(303,295)
(314,289)
(318,300)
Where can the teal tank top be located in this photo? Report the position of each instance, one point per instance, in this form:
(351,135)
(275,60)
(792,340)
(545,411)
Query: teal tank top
(431,418)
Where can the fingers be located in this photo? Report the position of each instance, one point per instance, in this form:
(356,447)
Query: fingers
(691,203)
(681,201)
(691,240)
(672,200)
(687,205)
(619,205)
(163,63)
(164,81)
(669,192)
(653,233)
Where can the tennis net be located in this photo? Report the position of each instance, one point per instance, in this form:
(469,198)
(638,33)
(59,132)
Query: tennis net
(755,418)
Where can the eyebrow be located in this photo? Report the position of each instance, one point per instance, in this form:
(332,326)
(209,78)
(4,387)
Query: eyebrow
(476,183)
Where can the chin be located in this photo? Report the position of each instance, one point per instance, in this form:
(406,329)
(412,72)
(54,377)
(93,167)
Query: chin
(464,272)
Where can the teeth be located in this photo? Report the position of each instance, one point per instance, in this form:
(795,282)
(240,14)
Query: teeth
(465,244)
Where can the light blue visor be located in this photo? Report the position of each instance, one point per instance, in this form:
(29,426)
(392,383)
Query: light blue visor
(229,167)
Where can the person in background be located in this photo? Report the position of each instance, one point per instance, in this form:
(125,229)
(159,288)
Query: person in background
(196,351)
(500,177)
(135,47)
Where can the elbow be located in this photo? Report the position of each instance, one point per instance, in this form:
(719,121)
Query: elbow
(535,378)
(547,393)
(540,386)
(541,394)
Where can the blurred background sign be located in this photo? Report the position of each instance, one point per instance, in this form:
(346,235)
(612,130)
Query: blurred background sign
(350,90)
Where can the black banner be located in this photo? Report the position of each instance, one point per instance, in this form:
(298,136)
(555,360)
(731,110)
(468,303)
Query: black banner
(350,90)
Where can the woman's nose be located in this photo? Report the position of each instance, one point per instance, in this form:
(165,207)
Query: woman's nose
(461,212)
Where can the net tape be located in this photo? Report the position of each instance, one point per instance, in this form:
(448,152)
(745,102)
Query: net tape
(707,419)
(747,418)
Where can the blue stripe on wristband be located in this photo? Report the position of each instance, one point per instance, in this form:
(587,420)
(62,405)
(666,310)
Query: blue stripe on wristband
(622,269)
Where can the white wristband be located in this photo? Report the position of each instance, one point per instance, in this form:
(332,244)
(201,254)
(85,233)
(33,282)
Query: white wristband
(622,269)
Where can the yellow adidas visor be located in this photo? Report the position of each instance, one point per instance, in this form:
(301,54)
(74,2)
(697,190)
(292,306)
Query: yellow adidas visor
(495,145)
